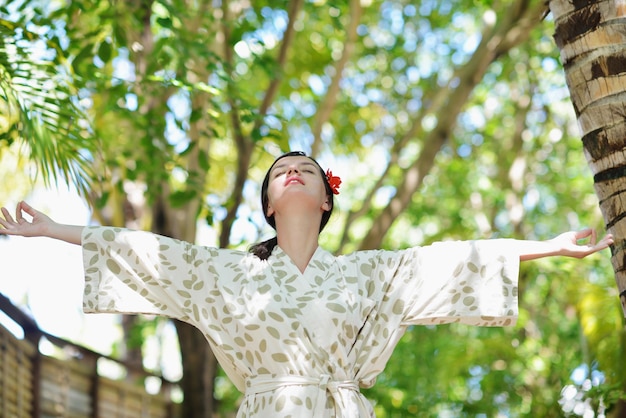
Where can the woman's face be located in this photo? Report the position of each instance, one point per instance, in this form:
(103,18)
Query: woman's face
(296,182)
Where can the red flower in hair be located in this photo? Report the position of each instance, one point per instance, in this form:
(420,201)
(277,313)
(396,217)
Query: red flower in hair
(334,181)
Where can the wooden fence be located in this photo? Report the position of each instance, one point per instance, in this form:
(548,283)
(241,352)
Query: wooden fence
(33,385)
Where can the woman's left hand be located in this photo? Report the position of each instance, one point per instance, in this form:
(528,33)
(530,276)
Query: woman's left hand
(569,245)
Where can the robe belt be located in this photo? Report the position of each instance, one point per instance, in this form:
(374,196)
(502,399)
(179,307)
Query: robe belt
(260,384)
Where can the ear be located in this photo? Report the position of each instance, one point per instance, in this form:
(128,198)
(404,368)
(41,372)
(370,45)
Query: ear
(326,206)
(270,210)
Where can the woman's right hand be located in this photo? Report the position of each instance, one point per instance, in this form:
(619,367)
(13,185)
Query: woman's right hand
(40,224)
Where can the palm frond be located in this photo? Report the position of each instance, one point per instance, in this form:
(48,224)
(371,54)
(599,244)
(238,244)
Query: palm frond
(39,107)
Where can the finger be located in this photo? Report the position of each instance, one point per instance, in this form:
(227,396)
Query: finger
(18,212)
(583,233)
(7,215)
(28,208)
(605,242)
(594,237)
(608,240)
(5,222)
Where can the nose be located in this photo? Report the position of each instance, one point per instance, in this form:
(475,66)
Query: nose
(293,170)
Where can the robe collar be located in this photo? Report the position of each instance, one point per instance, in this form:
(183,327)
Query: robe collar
(319,256)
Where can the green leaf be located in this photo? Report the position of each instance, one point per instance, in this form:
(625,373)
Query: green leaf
(203,161)
(182,197)
(104,52)
(165,22)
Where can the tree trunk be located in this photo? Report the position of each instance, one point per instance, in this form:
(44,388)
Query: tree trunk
(199,363)
(591,37)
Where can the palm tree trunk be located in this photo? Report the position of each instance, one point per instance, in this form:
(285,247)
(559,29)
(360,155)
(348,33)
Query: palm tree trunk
(591,39)
(591,36)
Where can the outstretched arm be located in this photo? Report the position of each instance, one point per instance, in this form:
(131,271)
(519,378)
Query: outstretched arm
(40,226)
(566,244)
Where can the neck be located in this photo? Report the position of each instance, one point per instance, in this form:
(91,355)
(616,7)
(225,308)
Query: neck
(297,237)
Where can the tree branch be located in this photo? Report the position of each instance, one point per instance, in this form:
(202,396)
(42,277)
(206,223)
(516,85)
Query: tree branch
(513,30)
(243,143)
(327,106)
(270,93)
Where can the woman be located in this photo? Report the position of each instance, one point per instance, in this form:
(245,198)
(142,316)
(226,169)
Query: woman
(297,329)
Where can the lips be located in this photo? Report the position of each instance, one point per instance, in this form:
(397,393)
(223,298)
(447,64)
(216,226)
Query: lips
(293,179)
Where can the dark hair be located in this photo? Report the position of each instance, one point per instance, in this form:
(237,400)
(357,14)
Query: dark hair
(264,249)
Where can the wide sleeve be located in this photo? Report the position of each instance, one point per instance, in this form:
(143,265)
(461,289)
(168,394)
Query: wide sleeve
(471,282)
(130,271)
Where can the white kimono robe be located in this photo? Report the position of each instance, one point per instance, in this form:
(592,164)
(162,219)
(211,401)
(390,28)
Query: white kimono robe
(300,344)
